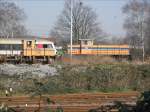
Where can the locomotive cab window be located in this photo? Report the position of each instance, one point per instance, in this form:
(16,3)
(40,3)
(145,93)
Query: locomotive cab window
(85,42)
(50,46)
(45,46)
(29,43)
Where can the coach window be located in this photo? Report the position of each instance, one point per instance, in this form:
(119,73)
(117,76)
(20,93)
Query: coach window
(17,47)
(7,47)
(20,47)
(1,47)
(4,47)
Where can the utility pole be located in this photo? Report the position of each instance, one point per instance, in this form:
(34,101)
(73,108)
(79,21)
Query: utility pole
(71,25)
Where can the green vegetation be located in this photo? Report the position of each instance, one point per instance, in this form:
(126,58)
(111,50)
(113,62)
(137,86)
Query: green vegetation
(6,109)
(142,105)
(102,77)
(84,78)
(110,77)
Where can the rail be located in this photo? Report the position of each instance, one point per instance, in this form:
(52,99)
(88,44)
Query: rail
(72,102)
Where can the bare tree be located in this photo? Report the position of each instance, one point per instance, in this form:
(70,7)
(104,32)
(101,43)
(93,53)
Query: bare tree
(11,17)
(137,24)
(85,24)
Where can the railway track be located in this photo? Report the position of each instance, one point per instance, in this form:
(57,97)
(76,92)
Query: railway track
(82,102)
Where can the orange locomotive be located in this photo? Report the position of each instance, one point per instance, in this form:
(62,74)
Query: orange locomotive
(26,49)
(86,47)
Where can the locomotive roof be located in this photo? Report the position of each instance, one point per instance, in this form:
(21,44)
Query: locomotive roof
(25,38)
(19,39)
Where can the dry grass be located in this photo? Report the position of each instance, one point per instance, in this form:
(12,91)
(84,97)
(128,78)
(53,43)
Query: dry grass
(140,62)
(84,60)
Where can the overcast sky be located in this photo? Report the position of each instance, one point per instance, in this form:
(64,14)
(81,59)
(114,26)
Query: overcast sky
(42,15)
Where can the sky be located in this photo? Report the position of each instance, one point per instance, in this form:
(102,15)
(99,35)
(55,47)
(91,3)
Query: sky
(42,15)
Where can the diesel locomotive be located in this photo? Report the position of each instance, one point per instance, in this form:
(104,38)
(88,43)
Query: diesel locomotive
(87,47)
(25,49)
